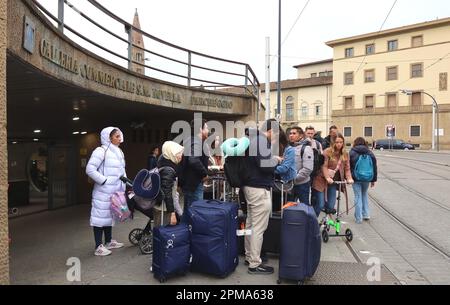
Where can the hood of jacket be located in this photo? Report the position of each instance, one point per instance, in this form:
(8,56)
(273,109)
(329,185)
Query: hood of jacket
(361,149)
(104,135)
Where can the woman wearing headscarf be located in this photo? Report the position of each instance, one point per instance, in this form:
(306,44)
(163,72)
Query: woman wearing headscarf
(172,154)
(105,167)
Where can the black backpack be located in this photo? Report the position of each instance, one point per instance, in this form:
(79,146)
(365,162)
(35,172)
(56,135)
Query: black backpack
(236,170)
(318,160)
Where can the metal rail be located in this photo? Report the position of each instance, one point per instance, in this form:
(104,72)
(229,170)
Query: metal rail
(426,240)
(247,80)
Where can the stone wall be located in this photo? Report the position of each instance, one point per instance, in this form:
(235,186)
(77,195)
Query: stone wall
(4,240)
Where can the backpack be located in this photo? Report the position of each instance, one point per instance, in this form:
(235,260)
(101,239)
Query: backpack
(236,171)
(318,160)
(119,207)
(364,169)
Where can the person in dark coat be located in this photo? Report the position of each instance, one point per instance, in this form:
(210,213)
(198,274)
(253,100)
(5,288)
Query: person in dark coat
(193,170)
(360,188)
(153,158)
(329,140)
(172,154)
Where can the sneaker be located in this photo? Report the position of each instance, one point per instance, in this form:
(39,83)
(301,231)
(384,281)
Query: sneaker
(366,218)
(358,222)
(113,244)
(102,251)
(261,269)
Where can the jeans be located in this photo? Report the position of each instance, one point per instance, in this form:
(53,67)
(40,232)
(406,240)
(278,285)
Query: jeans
(331,199)
(189,198)
(360,189)
(301,192)
(98,235)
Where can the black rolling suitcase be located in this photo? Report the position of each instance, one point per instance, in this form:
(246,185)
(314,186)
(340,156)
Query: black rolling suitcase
(271,243)
(300,243)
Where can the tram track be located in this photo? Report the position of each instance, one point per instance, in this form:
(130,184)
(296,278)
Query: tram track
(425,239)
(415,192)
(417,160)
(418,169)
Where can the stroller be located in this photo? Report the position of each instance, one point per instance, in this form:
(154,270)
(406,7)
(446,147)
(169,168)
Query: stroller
(138,236)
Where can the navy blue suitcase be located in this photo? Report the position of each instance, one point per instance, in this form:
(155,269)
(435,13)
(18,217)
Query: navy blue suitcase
(171,251)
(300,243)
(214,241)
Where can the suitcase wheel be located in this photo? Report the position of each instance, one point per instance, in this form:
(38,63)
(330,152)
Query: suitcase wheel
(300,283)
(325,236)
(162,280)
(279,281)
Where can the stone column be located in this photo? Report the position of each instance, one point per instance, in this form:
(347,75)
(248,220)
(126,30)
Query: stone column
(4,240)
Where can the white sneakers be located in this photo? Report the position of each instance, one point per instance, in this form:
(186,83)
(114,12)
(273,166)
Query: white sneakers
(104,251)
(114,244)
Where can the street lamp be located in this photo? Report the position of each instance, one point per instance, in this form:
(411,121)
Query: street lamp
(435,118)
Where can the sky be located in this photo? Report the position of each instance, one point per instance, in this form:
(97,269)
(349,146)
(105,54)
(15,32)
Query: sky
(236,29)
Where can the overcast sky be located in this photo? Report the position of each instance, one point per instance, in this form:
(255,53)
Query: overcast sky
(236,29)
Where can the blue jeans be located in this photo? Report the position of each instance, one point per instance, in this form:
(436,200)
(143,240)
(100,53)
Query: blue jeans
(301,192)
(189,198)
(331,199)
(360,189)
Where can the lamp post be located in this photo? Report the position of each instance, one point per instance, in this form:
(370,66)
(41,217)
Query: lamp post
(435,118)
(279,64)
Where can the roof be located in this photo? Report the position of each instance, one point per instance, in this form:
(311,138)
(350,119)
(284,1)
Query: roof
(390,32)
(314,63)
(300,83)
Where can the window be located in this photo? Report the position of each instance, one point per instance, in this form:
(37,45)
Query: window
(330,73)
(414,131)
(370,49)
(391,100)
(443,81)
(323,74)
(313,75)
(417,70)
(369,76)
(290,112)
(392,45)
(416,99)
(347,132)
(369,101)
(318,110)
(348,102)
(417,41)
(349,52)
(368,132)
(304,110)
(348,78)
(392,73)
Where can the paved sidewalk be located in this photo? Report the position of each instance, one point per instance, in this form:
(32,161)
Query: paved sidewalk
(42,244)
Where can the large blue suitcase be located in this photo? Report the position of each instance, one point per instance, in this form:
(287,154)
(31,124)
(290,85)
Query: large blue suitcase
(300,243)
(171,251)
(214,241)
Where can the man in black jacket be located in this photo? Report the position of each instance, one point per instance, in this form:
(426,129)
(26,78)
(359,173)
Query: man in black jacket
(329,140)
(194,167)
(261,167)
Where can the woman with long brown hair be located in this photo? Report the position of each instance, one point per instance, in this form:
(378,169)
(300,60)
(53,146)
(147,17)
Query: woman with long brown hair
(336,167)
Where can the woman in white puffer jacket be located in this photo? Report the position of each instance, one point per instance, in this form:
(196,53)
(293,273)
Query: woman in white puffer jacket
(105,167)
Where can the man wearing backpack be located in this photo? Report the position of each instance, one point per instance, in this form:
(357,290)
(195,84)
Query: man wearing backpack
(363,165)
(304,162)
(316,145)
